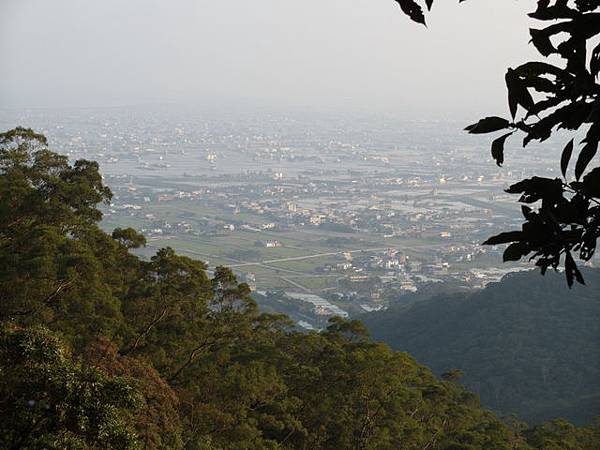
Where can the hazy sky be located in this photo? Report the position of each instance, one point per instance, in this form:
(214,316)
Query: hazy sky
(361,54)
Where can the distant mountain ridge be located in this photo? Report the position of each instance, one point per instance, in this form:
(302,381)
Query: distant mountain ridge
(527,345)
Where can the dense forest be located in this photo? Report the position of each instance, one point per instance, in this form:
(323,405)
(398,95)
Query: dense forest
(100,349)
(527,345)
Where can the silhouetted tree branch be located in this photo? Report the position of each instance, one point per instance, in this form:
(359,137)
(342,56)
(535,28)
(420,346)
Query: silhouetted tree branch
(563,216)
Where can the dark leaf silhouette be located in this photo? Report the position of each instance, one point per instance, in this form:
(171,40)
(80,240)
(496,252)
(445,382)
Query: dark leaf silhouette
(412,10)
(488,125)
(591,183)
(565,216)
(566,157)
(585,156)
(515,251)
(571,270)
(589,150)
(498,149)
(504,238)
(595,62)
(517,93)
(542,42)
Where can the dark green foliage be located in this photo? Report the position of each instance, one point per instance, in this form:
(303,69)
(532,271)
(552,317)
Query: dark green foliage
(166,357)
(56,266)
(527,346)
(156,421)
(47,401)
(559,435)
(128,237)
(567,96)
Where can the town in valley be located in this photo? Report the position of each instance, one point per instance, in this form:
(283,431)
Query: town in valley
(320,214)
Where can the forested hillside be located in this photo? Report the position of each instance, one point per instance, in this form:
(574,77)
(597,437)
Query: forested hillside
(102,350)
(528,345)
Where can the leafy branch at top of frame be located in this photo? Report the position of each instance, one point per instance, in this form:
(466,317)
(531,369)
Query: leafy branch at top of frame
(559,93)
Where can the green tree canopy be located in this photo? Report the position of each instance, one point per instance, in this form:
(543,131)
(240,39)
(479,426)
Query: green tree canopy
(48,401)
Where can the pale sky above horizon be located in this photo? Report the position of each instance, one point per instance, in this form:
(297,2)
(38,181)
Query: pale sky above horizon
(359,54)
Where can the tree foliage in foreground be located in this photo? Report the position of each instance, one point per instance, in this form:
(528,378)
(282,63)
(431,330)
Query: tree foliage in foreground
(50,401)
(562,215)
(100,349)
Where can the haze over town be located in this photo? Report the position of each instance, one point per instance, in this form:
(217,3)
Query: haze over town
(296,144)
(315,54)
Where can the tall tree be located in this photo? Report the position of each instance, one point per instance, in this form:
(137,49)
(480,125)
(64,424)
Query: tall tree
(57,267)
